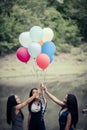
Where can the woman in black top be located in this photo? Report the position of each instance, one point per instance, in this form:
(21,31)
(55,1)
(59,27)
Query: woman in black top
(36,111)
(14,114)
(68,115)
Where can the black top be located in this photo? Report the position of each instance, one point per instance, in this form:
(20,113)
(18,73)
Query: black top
(40,113)
(63,119)
(37,118)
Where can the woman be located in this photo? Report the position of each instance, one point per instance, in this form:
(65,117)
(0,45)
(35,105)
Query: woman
(14,113)
(68,115)
(36,111)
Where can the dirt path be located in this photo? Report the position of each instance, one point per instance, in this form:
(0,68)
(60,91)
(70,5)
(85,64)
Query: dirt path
(65,75)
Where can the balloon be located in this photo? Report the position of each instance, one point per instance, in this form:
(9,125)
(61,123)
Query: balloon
(47,34)
(23,55)
(36,33)
(34,49)
(48,48)
(43,61)
(24,39)
(51,58)
(40,42)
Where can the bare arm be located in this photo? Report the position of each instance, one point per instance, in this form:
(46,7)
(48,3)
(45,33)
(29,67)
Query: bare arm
(29,117)
(68,123)
(42,95)
(52,97)
(21,105)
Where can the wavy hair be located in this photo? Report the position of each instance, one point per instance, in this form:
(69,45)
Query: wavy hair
(73,108)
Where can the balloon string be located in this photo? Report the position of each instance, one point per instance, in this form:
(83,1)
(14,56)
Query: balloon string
(35,69)
(37,72)
(40,74)
(44,76)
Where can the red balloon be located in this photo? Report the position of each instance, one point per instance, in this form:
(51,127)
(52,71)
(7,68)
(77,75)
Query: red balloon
(43,61)
(23,55)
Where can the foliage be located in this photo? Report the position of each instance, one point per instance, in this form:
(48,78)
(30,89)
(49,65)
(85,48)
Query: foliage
(64,48)
(77,11)
(7,48)
(68,20)
(76,51)
(84,47)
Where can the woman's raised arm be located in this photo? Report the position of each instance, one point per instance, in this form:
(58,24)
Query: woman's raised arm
(52,97)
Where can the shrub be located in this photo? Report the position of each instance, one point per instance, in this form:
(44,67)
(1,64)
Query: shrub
(64,48)
(84,47)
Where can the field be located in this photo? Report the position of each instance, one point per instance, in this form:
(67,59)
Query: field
(66,74)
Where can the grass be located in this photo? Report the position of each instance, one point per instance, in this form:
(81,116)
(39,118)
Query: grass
(58,67)
(65,75)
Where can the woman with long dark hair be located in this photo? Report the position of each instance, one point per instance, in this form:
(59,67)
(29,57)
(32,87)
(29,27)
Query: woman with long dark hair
(36,111)
(14,114)
(68,115)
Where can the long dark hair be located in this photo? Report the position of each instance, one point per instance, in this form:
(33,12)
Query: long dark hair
(30,94)
(11,102)
(73,108)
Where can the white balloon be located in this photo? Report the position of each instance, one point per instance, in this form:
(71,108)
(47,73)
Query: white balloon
(24,39)
(34,49)
(47,34)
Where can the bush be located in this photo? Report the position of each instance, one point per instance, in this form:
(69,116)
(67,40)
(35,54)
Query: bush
(64,48)
(7,48)
(76,51)
(84,47)
(81,58)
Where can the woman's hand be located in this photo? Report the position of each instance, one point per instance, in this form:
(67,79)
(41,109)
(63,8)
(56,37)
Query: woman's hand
(35,95)
(43,87)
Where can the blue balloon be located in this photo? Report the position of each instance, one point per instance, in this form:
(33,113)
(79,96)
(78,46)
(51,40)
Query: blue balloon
(48,48)
(51,58)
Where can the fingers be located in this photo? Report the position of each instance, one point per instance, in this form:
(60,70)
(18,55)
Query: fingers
(41,84)
(43,87)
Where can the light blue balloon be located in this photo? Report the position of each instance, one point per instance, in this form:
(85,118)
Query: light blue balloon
(48,48)
(36,33)
(34,49)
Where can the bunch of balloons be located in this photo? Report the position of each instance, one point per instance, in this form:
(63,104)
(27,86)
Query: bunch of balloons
(37,44)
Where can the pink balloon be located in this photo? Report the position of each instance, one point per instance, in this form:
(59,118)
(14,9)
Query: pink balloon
(43,61)
(23,55)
